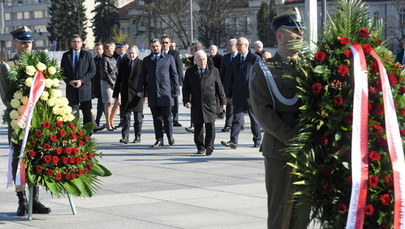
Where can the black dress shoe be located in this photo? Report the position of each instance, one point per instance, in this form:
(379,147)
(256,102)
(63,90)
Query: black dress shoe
(177,124)
(137,140)
(226,129)
(229,144)
(98,128)
(256,145)
(190,129)
(119,125)
(209,151)
(171,141)
(123,140)
(200,151)
(157,144)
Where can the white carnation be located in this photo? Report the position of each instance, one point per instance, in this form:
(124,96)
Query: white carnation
(48,83)
(51,102)
(30,70)
(51,70)
(14,114)
(56,93)
(15,103)
(44,95)
(56,82)
(24,100)
(41,66)
(28,82)
(18,95)
(14,124)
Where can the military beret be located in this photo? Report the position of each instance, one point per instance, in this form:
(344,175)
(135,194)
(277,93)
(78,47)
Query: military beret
(288,20)
(22,34)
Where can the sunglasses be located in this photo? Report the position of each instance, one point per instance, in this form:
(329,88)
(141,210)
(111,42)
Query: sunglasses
(165,42)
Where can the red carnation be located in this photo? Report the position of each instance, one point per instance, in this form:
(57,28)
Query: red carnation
(325,171)
(72,160)
(343,70)
(55,159)
(90,155)
(73,135)
(378,109)
(85,170)
(84,157)
(403,111)
(80,172)
(38,133)
(80,132)
(389,180)
(378,85)
(73,176)
(342,208)
(78,160)
(348,54)
(378,129)
(89,165)
(338,100)
(58,151)
(324,141)
(86,139)
(316,88)
(372,90)
(65,160)
(80,143)
(367,48)
(46,146)
(31,153)
(369,209)
(33,143)
(46,125)
(47,158)
(385,199)
(53,138)
(373,181)
(374,155)
(68,151)
(38,168)
(59,124)
(402,132)
(349,118)
(328,189)
(49,172)
(344,40)
(393,79)
(67,176)
(72,126)
(58,176)
(381,142)
(62,133)
(364,33)
(75,151)
(403,89)
(320,56)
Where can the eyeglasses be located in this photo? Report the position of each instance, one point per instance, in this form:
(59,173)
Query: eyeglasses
(165,42)
(241,44)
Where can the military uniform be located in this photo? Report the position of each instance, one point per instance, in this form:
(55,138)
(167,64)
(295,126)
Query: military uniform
(276,107)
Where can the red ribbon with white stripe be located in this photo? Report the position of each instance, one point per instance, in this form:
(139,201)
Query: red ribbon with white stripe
(359,147)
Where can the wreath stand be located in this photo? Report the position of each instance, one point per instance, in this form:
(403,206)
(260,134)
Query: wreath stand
(31,198)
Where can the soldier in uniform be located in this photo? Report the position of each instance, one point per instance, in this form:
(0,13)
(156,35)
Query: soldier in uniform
(22,43)
(275,103)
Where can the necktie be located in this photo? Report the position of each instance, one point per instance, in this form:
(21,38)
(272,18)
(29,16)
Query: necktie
(75,60)
(242,59)
(155,57)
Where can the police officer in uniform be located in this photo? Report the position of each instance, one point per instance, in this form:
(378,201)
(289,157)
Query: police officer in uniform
(275,103)
(22,41)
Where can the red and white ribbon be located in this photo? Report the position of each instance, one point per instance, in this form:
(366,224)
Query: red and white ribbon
(395,147)
(359,147)
(27,111)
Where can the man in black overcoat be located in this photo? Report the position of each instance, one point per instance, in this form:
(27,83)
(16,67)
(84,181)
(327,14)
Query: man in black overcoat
(126,84)
(79,68)
(160,80)
(201,90)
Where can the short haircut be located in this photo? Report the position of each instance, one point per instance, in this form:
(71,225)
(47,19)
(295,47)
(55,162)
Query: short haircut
(233,41)
(165,36)
(76,36)
(198,46)
(108,45)
(135,48)
(214,47)
(98,44)
(199,53)
(154,40)
(258,43)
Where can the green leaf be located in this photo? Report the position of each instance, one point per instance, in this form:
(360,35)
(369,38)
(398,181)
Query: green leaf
(71,188)
(99,170)
(84,189)
(52,186)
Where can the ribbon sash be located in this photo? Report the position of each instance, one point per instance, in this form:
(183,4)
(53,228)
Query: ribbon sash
(25,119)
(355,218)
(394,146)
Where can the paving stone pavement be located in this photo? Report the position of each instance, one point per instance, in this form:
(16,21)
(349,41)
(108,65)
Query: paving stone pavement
(163,188)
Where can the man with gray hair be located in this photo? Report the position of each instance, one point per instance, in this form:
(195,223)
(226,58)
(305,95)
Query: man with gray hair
(202,89)
(258,47)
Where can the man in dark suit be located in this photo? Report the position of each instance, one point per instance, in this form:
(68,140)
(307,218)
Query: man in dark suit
(160,79)
(79,68)
(201,91)
(258,47)
(216,57)
(98,48)
(238,92)
(225,71)
(120,55)
(126,84)
(400,58)
(166,43)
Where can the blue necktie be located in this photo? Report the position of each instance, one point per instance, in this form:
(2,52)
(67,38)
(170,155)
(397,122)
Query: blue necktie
(75,60)
(242,59)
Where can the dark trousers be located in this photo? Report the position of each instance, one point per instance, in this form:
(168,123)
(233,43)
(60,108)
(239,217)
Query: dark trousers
(228,114)
(85,106)
(238,120)
(199,135)
(282,210)
(138,120)
(175,109)
(122,113)
(162,114)
(100,110)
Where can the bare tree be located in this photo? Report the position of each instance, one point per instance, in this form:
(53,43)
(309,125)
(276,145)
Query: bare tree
(395,23)
(211,20)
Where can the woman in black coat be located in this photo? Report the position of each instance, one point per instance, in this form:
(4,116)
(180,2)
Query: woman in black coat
(202,89)
(126,84)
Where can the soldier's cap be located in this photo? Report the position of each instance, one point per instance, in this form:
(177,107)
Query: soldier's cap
(119,45)
(290,19)
(22,34)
